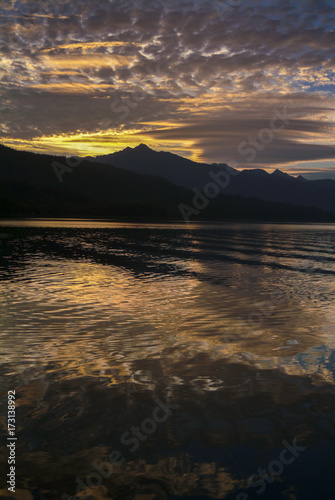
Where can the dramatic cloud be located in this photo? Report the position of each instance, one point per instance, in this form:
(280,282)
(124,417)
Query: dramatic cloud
(199,77)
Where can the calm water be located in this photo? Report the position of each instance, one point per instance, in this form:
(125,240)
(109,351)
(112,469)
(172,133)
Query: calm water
(231,325)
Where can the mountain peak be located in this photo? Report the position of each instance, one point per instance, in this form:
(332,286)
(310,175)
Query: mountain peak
(279,173)
(142,147)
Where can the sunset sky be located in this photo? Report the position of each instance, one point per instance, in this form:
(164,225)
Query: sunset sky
(200,78)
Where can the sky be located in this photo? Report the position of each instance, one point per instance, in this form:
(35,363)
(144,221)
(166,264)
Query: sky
(246,82)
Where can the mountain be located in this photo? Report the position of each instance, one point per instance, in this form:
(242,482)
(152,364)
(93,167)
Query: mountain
(44,185)
(279,173)
(39,185)
(256,183)
(300,178)
(174,168)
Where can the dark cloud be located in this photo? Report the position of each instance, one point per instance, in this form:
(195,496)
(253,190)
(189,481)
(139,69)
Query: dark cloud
(235,138)
(192,71)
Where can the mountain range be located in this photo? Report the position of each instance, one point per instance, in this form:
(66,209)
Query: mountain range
(141,183)
(257,183)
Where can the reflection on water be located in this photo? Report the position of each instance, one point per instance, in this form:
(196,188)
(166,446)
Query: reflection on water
(234,323)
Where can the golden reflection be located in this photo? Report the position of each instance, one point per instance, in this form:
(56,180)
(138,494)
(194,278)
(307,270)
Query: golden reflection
(101,333)
(180,317)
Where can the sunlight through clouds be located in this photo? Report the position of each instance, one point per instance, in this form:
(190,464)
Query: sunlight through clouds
(69,66)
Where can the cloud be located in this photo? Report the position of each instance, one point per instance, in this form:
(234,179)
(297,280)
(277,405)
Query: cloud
(209,74)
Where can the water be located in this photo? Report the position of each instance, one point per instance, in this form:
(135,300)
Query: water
(102,323)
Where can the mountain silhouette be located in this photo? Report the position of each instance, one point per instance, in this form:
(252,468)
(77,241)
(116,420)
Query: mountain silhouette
(39,185)
(169,166)
(257,183)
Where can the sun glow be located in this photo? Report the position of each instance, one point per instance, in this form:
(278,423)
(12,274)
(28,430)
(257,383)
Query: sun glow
(100,143)
(78,144)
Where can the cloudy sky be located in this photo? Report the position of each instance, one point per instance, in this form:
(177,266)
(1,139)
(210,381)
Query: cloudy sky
(244,81)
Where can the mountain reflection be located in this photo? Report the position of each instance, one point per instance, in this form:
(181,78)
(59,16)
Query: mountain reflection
(228,323)
(237,413)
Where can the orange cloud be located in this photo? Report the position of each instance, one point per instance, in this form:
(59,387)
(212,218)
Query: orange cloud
(90,45)
(69,88)
(86,61)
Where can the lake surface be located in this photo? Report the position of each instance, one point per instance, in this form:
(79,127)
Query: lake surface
(166,361)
